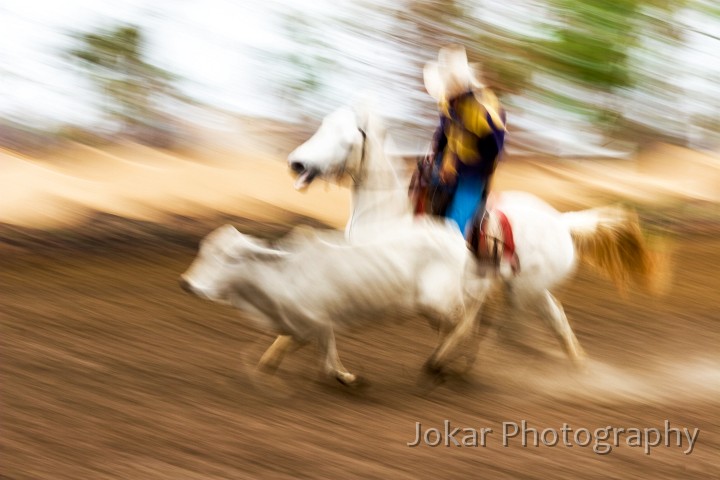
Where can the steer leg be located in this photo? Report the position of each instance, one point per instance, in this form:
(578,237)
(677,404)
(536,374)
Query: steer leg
(273,356)
(332,365)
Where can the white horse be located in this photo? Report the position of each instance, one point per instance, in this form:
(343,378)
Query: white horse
(350,142)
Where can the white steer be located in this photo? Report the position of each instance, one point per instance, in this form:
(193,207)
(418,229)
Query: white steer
(305,291)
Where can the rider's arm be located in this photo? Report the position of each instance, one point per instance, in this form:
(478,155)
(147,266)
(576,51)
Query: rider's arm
(439,140)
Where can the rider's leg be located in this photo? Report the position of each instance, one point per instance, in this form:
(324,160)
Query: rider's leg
(468,195)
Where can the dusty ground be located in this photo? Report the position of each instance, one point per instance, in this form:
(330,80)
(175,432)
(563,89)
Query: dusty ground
(110,371)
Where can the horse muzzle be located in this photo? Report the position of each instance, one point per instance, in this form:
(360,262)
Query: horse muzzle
(305,174)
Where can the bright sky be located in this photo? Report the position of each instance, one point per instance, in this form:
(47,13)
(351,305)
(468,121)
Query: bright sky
(211,43)
(217,47)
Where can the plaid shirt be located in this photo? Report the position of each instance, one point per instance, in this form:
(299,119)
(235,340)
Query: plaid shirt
(471,134)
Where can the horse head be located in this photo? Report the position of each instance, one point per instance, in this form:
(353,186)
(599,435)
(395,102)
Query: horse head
(336,149)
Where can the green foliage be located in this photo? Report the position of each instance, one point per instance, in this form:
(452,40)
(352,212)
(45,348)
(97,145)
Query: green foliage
(114,59)
(586,45)
(587,57)
(310,61)
(591,46)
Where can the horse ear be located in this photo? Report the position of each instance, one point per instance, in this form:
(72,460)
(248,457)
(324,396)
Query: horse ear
(363,105)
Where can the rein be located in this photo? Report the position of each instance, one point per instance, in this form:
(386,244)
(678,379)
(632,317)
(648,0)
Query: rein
(479,241)
(360,175)
(362,155)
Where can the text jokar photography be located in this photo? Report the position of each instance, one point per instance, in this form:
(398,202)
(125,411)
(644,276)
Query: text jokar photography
(601,440)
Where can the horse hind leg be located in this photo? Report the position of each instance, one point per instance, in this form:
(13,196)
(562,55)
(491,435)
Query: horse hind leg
(481,327)
(554,316)
(511,326)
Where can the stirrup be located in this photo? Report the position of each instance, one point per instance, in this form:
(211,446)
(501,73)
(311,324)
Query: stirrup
(491,240)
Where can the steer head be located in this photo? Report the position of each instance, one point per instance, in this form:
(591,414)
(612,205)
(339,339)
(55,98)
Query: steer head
(224,254)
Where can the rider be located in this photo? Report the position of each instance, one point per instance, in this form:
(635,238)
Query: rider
(469,139)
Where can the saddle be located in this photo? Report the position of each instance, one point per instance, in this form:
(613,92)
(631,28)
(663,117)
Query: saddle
(491,240)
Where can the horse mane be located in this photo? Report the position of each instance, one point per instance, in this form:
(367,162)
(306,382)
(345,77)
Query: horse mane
(378,136)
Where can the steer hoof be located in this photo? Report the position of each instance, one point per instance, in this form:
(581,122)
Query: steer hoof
(269,386)
(355,382)
(266,368)
(429,382)
(432,368)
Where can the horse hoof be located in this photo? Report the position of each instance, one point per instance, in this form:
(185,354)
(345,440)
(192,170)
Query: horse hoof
(580,365)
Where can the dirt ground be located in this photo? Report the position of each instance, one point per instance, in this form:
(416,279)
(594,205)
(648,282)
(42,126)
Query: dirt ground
(110,371)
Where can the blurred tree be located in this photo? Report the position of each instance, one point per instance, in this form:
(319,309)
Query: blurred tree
(133,88)
(308,62)
(607,64)
(577,55)
(418,28)
(591,46)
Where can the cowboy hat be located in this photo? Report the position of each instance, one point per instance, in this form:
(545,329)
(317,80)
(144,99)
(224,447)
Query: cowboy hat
(451,75)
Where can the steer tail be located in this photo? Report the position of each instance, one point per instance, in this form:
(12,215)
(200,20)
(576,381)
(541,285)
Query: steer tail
(611,240)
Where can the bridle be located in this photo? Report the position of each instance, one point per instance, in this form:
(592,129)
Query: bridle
(361,161)
(358,177)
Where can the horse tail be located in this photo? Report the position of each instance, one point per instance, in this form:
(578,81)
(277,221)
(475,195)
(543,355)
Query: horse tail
(610,239)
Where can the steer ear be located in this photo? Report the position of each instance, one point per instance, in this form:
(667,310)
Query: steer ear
(253,246)
(225,234)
